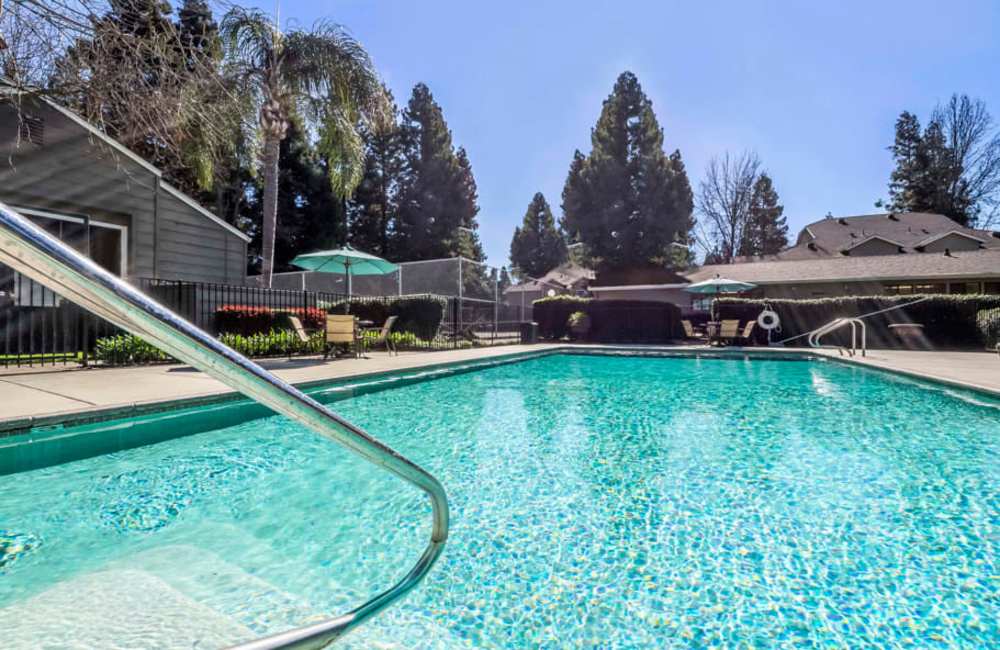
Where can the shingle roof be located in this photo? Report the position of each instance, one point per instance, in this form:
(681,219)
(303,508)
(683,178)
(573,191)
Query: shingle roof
(983,263)
(563,276)
(828,237)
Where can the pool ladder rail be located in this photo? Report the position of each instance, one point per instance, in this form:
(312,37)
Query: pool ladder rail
(855,323)
(31,251)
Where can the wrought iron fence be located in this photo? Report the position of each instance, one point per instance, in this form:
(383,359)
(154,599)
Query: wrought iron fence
(37,327)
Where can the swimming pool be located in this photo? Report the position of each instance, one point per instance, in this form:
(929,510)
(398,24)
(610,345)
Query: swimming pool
(597,501)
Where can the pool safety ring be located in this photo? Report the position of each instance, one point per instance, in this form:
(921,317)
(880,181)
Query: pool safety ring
(768,320)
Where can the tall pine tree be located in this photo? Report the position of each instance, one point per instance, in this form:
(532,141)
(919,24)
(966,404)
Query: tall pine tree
(374,207)
(627,202)
(537,246)
(766,229)
(951,167)
(437,191)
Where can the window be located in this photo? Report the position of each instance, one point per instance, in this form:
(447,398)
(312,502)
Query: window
(910,289)
(964,287)
(105,243)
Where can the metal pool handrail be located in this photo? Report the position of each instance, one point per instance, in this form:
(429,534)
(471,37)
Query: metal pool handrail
(837,323)
(29,250)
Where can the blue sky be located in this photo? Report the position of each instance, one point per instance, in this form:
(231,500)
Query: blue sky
(813,87)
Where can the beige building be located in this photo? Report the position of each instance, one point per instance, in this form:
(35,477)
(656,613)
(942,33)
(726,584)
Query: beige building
(872,255)
(565,279)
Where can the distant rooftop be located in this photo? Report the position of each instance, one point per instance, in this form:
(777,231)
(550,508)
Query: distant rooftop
(982,263)
(906,232)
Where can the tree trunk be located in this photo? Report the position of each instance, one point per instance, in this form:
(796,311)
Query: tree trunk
(272,149)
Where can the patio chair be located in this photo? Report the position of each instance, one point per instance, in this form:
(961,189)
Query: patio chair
(747,332)
(729,330)
(690,332)
(300,332)
(341,330)
(383,335)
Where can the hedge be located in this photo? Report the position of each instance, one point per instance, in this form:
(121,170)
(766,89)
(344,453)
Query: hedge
(949,321)
(248,320)
(611,321)
(552,313)
(418,315)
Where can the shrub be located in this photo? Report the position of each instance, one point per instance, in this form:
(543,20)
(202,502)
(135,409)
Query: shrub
(244,319)
(274,343)
(578,323)
(249,319)
(404,340)
(418,315)
(125,349)
(949,321)
(611,321)
(552,314)
(633,321)
(988,324)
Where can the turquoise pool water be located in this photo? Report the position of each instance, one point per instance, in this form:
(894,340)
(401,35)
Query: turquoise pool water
(597,502)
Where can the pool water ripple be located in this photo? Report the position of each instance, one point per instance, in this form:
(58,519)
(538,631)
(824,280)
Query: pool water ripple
(599,502)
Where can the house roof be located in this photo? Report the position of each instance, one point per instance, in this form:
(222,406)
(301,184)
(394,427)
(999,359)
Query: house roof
(982,263)
(829,237)
(10,88)
(563,276)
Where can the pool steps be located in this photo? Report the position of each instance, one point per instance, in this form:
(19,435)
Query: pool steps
(28,249)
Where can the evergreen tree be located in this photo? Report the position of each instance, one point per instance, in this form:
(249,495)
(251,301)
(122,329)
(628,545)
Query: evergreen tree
(198,33)
(437,195)
(627,202)
(537,246)
(504,282)
(766,229)
(374,207)
(575,200)
(952,167)
(468,245)
(906,150)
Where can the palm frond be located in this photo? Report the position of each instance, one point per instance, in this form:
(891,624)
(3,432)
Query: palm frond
(342,147)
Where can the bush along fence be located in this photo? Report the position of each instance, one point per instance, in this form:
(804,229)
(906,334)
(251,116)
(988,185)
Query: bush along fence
(607,321)
(949,322)
(38,327)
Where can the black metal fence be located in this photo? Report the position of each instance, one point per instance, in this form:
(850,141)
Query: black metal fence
(38,327)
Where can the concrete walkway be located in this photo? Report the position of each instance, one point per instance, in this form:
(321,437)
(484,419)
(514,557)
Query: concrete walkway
(52,394)
(44,397)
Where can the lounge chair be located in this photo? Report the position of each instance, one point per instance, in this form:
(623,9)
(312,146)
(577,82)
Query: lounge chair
(341,330)
(747,332)
(383,336)
(299,331)
(690,332)
(729,330)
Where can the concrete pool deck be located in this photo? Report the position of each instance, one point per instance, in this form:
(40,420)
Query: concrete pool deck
(35,397)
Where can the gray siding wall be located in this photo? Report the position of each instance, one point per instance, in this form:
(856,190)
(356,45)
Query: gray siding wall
(192,247)
(74,172)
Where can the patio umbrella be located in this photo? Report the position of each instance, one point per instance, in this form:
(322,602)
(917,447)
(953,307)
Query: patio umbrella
(347,261)
(718,285)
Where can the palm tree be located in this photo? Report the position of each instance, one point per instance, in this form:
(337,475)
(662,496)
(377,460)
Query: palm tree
(322,75)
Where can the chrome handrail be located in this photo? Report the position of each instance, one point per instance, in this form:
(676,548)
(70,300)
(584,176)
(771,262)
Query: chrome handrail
(29,250)
(837,323)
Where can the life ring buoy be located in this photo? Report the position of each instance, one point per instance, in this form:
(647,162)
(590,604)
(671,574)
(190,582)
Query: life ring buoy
(768,320)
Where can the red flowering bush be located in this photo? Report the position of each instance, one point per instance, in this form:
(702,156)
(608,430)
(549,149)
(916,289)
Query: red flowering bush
(244,319)
(250,319)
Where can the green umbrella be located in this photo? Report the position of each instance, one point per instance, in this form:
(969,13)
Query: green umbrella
(718,285)
(345,260)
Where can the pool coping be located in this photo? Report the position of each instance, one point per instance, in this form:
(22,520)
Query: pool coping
(22,424)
